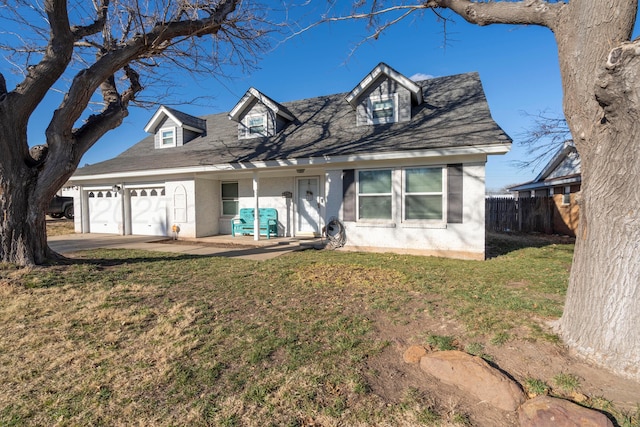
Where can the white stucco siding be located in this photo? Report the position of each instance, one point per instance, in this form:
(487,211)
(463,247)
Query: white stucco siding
(333,197)
(472,230)
(181,203)
(271,190)
(80,213)
(208,210)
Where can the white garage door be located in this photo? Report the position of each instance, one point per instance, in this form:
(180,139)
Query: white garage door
(105,212)
(148,212)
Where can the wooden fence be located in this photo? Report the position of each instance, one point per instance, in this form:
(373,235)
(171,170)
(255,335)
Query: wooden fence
(525,214)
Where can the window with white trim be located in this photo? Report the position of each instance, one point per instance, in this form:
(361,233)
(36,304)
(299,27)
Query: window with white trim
(375,201)
(383,109)
(168,137)
(254,125)
(423,197)
(229,191)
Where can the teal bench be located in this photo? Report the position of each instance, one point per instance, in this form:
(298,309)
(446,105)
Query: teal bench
(244,223)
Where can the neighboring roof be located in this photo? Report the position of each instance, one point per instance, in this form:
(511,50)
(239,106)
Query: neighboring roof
(454,114)
(383,69)
(254,94)
(562,169)
(185,120)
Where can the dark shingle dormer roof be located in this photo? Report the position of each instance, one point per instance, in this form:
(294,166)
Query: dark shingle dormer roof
(184,120)
(239,110)
(383,69)
(454,113)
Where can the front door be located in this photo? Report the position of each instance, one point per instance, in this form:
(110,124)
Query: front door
(308,209)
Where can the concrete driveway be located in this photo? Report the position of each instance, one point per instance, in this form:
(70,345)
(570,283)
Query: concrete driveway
(245,249)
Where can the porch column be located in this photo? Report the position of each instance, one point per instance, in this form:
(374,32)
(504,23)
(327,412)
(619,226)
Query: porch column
(126,209)
(256,206)
(84,211)
(123,209)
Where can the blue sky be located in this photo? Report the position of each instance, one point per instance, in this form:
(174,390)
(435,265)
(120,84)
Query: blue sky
(518,66)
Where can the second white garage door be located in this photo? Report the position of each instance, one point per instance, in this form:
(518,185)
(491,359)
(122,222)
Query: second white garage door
(148,212)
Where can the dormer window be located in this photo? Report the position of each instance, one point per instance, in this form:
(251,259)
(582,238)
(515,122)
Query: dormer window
(258,115)
(173,128)
(256,125)
(168,137)
(383,109)
(384,96)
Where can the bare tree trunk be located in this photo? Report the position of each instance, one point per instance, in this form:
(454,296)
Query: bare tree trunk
(28,180)
(601,319)
(23,239)
(601,84)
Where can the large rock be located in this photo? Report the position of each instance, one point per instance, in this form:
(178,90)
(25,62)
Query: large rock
(549,411)
(474,376)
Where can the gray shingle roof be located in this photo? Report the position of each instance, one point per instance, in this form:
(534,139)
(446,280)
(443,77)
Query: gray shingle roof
(454,113)
(187,119)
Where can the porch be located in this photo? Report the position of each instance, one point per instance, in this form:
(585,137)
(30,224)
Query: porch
(243,247)
(247,241)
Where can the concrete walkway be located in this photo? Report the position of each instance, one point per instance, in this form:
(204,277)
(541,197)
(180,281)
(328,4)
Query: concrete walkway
(243,247)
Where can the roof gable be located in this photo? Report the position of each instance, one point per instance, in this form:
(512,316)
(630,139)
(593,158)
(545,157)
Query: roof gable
(183,120)
(563,168)
(566,162)
(238,111)
(380,70)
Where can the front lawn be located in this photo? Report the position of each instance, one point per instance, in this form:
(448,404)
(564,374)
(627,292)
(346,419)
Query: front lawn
(312,338)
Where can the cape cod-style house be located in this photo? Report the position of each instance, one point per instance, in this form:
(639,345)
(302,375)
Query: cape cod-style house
(399,163)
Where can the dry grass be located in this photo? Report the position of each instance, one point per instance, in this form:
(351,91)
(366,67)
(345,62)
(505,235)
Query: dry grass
(59,227)
(139,338)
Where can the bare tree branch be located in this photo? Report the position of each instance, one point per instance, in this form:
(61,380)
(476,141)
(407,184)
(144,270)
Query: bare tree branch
(542,140)
(152,43)
(527,12)
(369,16)
(53,64)
(80,32)
(110,117)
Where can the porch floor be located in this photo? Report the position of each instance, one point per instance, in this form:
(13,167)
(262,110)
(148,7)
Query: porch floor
(224,240)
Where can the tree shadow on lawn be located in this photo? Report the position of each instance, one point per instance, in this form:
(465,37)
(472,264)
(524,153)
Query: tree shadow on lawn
(498,244)
(116,261)
(116,257)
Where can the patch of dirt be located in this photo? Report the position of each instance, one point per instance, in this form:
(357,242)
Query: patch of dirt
(394,380)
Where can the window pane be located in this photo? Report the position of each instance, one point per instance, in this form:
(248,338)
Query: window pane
(229,207)
(423,180)
(423,207)
(167,137)
(372,182)
(230,190)
(375,207)
(256,124)
(229,198)
(382,109)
